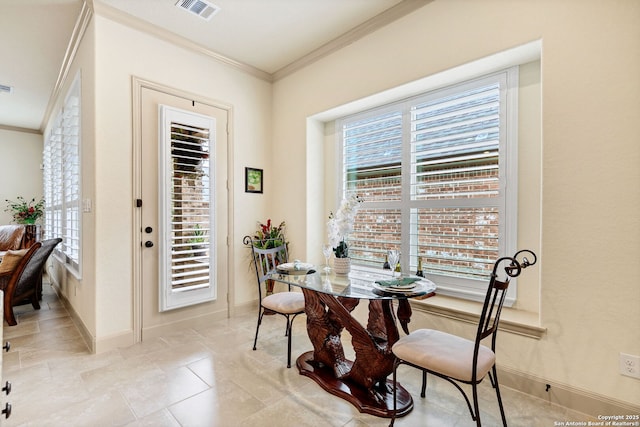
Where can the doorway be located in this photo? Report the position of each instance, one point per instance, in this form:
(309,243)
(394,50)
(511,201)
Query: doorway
(182,216)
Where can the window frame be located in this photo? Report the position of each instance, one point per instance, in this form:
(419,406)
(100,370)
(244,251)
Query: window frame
(175,297)
(464,288)
(63,179)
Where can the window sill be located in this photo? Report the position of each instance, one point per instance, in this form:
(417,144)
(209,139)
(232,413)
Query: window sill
(515,321)
(62,260)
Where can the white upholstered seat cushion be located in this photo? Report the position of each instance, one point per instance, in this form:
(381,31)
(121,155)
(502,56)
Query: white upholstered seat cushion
(441,352)
(284,302)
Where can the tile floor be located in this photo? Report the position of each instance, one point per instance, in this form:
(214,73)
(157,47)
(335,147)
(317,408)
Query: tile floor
(208,377)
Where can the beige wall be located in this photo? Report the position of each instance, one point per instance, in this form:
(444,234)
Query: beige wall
(110,56)
(21,157)
(590,279)
(80,289)
(120,54)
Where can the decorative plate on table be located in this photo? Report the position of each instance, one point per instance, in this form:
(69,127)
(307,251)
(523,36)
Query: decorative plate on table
(405,286)
(294,267)
(403,283)
(405,290)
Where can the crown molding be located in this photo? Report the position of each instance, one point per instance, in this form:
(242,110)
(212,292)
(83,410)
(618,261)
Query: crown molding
(390,15)
(398,11)
(20,129)
(89,7)
(84,17)
(117,15)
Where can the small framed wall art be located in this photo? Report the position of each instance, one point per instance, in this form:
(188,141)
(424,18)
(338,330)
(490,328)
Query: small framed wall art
(253,179)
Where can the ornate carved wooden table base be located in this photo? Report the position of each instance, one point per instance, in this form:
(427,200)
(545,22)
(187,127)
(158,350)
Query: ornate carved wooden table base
(363,381)
(354,393)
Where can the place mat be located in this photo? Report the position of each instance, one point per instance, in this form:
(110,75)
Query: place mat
(421,289)
(402,283)
(294,267)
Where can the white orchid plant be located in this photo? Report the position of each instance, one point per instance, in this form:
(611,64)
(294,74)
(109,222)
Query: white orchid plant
(341,224)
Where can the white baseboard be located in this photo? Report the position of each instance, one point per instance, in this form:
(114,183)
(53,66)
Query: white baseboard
(125,339)
(84,332)
(583,401)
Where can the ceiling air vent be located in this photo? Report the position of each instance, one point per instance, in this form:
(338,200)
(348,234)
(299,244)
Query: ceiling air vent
(203,9)
(5,89)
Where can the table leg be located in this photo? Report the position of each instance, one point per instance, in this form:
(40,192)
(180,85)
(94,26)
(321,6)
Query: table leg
(404,314)
(362,382)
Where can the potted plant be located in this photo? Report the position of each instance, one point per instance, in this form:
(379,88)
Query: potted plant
(339,227)
(268,236)
(198,240)
(24,212)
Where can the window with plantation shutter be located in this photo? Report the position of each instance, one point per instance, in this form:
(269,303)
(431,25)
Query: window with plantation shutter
(437,173)
(62,192)
(52,178)
(71,178)
(187,226)
(373,155)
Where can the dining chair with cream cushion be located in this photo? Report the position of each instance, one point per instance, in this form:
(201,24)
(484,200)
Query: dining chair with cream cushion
(288,304)
(457,359)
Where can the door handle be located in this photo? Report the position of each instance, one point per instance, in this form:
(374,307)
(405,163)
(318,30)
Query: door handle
(148,230)
(7,410)
(148,244)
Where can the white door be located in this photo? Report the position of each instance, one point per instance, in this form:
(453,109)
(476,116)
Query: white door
(183,209)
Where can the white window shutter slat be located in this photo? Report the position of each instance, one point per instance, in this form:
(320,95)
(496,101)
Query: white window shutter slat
(186,265)
(431,172)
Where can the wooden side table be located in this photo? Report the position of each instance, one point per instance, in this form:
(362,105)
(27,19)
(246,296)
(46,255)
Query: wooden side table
(32,234)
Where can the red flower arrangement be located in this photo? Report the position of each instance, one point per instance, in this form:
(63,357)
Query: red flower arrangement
(25,212)
(267,236)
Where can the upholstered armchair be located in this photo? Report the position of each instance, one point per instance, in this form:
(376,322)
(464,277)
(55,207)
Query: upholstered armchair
(11,237)
(21,276)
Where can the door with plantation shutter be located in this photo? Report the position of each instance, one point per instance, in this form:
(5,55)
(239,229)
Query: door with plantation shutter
(184,209)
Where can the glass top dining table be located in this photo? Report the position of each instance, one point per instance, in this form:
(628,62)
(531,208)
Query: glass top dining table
(361,283)
(330,300)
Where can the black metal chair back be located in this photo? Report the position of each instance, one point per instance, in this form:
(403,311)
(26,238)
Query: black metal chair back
(266,256)
(266,259)
(495,298)
(504,269)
